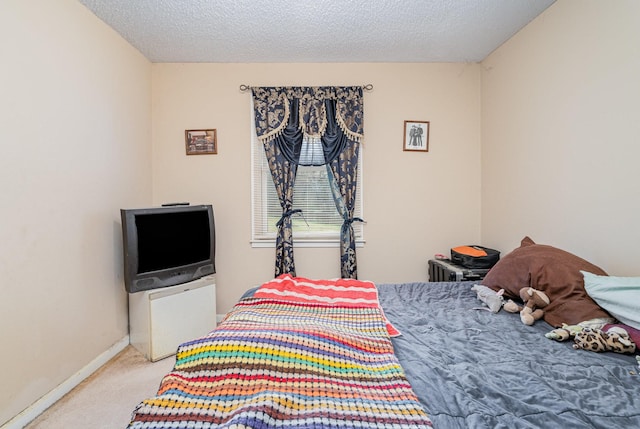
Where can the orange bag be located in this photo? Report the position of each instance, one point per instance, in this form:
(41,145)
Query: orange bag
(474,256)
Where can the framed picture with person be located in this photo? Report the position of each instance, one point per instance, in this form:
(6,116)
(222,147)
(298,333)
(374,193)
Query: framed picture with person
(416,136)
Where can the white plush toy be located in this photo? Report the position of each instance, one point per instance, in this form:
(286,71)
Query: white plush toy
(493,299)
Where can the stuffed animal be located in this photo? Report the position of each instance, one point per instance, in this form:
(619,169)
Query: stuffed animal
(535,301)
(564,333)
(493,299)
(615,339)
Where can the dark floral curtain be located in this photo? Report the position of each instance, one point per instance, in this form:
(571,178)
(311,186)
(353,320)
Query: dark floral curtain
(283,174)
(284,116)
(343,177)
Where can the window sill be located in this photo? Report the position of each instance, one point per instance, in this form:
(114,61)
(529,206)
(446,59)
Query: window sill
(305,242)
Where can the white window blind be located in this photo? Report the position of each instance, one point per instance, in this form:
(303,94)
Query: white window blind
(319,225)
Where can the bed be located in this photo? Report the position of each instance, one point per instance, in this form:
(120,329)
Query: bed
(415,355)
(476,369)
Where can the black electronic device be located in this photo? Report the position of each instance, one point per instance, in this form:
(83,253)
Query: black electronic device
(166,246)
(443,270)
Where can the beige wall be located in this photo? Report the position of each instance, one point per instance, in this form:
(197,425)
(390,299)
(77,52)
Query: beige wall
(84,117)
(75,146)
(416,204)
(560,127)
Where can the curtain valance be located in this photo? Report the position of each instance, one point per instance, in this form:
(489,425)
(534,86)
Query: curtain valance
(273,105)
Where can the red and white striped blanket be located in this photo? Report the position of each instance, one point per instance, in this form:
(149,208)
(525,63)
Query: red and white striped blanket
(338,292)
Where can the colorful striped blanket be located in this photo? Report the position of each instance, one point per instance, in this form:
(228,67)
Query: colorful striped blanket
(288,363)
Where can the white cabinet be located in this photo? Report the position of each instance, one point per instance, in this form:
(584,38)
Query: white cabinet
(162,319)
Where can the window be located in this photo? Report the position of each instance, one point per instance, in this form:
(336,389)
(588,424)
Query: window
(319,225)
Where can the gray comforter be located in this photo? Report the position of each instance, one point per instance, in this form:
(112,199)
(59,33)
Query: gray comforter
(476,369)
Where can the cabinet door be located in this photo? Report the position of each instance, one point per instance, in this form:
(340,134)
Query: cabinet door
(180,317)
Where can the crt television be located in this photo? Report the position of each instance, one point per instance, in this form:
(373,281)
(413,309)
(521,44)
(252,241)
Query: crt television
(166,246)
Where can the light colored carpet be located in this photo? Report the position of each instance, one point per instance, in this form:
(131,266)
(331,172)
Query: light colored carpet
(106,399)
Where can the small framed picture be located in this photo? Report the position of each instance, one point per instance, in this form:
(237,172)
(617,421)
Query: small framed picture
(201,142)
(416,136)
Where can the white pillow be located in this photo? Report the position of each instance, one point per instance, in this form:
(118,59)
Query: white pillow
(620,296)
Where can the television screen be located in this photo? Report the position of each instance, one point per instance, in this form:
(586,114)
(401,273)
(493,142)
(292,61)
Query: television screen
(165,246)
(166,240)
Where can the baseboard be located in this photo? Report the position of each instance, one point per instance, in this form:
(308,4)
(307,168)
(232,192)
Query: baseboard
(34,410)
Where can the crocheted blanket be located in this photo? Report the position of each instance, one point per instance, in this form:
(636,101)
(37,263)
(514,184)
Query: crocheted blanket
(275,362)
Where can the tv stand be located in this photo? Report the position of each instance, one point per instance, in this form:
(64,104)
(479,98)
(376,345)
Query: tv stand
(162,319)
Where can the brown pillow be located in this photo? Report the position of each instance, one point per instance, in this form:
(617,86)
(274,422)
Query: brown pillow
(553,271)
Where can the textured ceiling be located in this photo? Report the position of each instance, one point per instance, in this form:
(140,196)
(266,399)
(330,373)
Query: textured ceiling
(290,31)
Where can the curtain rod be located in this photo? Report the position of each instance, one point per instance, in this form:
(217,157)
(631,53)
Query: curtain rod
(367,87)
